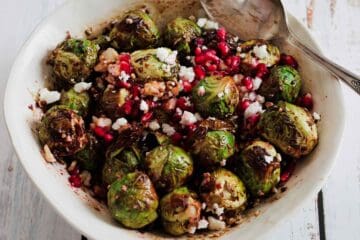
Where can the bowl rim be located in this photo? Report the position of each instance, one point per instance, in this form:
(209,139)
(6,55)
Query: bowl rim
(91,234)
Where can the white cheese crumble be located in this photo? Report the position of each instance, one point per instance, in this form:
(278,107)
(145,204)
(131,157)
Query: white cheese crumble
(154,125)
(120,122)
(82,87)
(256,83)
(201,91)
(261,51)
(316,116)
(198,117)
(165,55)
(102,121)
(49,96)
(188,118)
(253,109)
(207,24)
(216,209)
(144,106)
(191,230)
(268,159)
(187,73)
(220,94)
(124,76)
(215,224)
(260,99)
(252,96)
(167,129)
(203,224)
(178,111)
(223,163)
(201,22)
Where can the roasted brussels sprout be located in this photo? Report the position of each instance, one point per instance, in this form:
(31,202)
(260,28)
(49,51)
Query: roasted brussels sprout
(89,157)
(148,67)
(290,128)
(112,100)
(74,59)
(265,52)
(168,167)
(284,83)
(122,157)
(224,189)
(259,167)
(180,33)
(79,102)
(216,96)
(135,31)
(63,131)
(132,200)
(180,211)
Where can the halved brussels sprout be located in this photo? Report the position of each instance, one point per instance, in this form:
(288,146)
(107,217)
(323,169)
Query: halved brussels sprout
(225,189)
(284,83)
(74,59)
(89,157)
(132,200)
(271,53)
(63,131)
(259,167)
(112,100)
(122,157)
(180,32)
(168,167)
(290,128)
(79,102)
(219,96)
(180,211)
(135,31)
(149,68)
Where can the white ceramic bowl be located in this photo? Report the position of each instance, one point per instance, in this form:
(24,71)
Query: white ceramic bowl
(83,212)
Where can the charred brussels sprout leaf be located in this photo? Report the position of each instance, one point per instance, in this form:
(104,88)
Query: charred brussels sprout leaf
(260,167)
(74,59)
(135,31)
(89,157)
(271,57)
(284,83)
(149,68)
(290,128)
(63,131)
(180,211)
(220,98)
(79,102)
(112,100)
(168,167)
(180,33)
(225,189)
(133,201)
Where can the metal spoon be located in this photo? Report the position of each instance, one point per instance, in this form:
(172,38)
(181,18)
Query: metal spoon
(267,19)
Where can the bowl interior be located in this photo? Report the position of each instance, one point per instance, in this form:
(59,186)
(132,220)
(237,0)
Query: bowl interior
(86,214)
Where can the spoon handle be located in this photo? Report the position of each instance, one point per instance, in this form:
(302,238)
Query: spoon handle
(350,78)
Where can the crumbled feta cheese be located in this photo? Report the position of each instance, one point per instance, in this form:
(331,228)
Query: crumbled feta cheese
(201,22)
(256,83)
(37,114)
(215,224)
(188,118)
(260,99)
(238,49)
(154,125)
(278,157)
(188,102)
(109,55)
(166,55)
(204,48)
(167,129)
(178,111)
(120,122)
(102,121)
(124,76)
(268,159)
(171,59)
(223,163)
(227,89)
(187,73)
(203,224)
(261,51)
(316,116)
(203,206)
(144,106)
(252,96)
(201,91)
(253,109)
(211,25)
(191,230)
(49,157)
(198,117)
(49,96)
(129,21)
(242,55)
(220,94)
(82,87)
(216,209)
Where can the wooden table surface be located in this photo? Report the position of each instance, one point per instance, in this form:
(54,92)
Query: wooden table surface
(334,214)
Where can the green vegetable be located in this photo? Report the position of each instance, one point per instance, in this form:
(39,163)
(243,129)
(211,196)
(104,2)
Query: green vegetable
(89,157)
(112,100)
(132,200)
(79,102)
(273,53)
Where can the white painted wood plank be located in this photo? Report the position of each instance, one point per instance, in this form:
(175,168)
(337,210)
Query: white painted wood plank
(24,213)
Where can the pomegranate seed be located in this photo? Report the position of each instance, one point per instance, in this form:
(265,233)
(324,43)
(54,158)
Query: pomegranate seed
(146,117)
(210,55)
(187,86)
(99,131)
(233,62)
(261,70)
(244,104)
(191,128)
(199,72)
(307,101)
(253,119)
(135,91)
(75,180)
(199,41)
(123,84)
(288,60)
(151,104)
(176,137)
(211,67)
(200,59)
(181,103)
(198,51)
(127,107)
(247,82)
(125,66)
(221,34)
(108,137)
(224,48)
(124,57)
(287,172)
